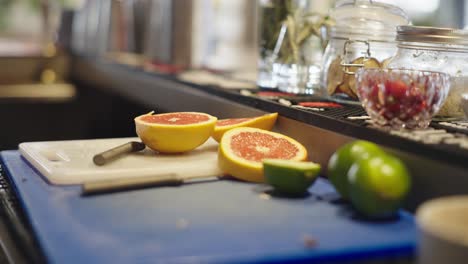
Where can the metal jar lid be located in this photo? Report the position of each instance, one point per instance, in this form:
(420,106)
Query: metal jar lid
(432,35)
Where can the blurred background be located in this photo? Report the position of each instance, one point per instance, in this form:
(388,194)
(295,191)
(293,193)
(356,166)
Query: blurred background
(22,19)
(41,100)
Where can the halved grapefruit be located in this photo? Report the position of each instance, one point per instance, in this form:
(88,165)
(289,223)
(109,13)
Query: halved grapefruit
(174,132)
(242,150)
(264,122)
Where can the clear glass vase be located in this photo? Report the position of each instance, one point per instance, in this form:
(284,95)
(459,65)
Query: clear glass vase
(290,46)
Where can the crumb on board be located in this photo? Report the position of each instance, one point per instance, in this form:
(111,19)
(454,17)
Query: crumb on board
(264,196)
(182,223)
(309,242)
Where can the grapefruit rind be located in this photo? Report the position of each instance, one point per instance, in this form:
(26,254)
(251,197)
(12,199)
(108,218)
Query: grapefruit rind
(246,170)
(174,138)
(266,122)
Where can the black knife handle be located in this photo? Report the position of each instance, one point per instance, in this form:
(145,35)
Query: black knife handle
(112,154)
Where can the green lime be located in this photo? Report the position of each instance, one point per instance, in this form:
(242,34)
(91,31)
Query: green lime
(344,158)
(378,185)
(289,176)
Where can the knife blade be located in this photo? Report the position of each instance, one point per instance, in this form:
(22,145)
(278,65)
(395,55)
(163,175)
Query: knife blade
(117,185)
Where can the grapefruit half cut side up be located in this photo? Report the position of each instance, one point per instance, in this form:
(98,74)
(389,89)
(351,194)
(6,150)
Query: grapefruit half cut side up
(174,132)
(263,122)
(243,149)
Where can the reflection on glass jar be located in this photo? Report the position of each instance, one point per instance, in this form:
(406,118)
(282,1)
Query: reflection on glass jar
(436,49)
(341,63)
(290,46)
(364,36)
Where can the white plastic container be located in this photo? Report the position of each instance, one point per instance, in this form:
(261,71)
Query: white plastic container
(443,225)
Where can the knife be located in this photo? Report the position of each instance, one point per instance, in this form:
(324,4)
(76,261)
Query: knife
(112,154)
(116,185)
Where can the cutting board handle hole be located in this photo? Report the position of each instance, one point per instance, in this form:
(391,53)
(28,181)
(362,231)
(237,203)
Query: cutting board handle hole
(53,156)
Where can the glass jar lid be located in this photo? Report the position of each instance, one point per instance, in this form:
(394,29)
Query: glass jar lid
(367,20)
(432,35)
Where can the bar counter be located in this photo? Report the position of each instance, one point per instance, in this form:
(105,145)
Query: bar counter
(437,169)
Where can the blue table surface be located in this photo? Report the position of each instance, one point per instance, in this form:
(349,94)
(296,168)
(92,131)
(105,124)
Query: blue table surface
(221,221)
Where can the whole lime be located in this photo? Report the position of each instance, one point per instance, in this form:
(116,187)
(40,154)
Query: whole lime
(344,157)
(378,185)
(289,176)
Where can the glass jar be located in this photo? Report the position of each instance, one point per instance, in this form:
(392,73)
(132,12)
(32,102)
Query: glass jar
(290,46)
(436,49)
(364,36)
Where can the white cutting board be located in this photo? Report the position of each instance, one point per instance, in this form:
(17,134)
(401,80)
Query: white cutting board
(71,162)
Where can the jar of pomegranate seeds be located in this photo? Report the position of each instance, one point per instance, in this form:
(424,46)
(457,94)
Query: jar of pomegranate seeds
(436,49)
